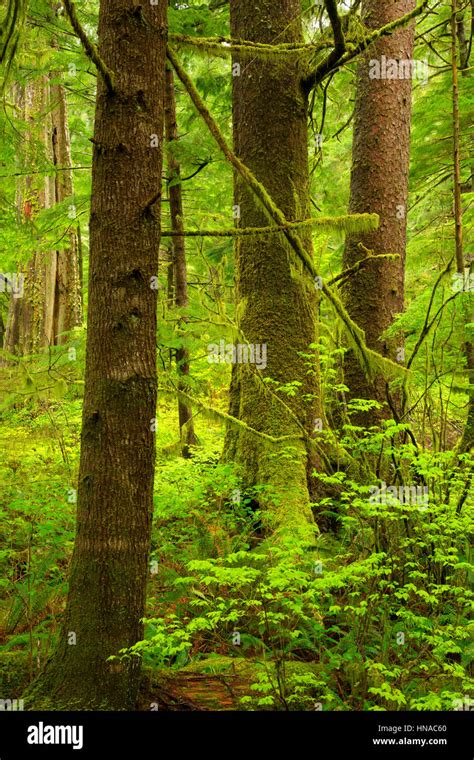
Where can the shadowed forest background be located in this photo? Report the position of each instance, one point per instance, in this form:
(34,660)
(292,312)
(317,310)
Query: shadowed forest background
(237,355)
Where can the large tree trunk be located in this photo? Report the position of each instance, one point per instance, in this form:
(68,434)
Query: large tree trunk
(276,306)
(108,575)
(379,184)
(178,266)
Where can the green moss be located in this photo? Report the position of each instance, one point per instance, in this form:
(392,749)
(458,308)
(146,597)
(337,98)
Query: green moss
(14,674)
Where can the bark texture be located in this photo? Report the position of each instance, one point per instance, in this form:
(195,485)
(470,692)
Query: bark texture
(379,184)
(110,560)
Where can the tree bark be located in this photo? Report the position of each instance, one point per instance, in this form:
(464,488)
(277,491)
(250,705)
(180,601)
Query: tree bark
(178,266)
(277,307)
(379,184)
(108,576)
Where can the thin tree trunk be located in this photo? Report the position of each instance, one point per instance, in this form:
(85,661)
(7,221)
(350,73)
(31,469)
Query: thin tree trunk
(179,271)
(467,440)
(277,308)
(379,184)
(67,308)
(107,584)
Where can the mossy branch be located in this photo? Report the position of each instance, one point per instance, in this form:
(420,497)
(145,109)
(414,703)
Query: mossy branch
(9,26)
(312,444)
(213,412)
(89,47)
(360,265)
(229,45)
(350,223)
(371,362)
(10,30)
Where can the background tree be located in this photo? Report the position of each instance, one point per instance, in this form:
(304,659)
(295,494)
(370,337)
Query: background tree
(379,182)
(458,38)
(178,285)
(51,302)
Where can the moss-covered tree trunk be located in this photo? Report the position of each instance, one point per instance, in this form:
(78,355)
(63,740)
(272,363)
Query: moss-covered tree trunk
(276,306)
(379,184)
(178,265)
(108,574)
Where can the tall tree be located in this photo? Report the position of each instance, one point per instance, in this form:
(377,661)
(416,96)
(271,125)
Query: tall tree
(374,295)
(51,303)
(67,303)
(276,304)
(110,560)
(458,39)
(178,271)
(30,317)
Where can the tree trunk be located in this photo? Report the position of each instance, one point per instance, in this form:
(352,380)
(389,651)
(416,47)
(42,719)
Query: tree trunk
(457,36)
(51,304)
(379,184)
(30,318)
(67,306)
(277,307)
(107,584)
(178,266)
